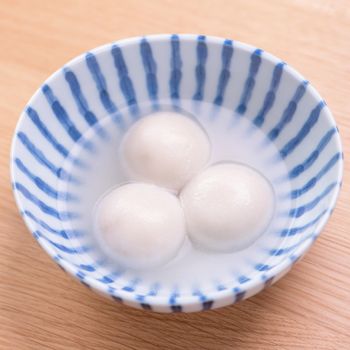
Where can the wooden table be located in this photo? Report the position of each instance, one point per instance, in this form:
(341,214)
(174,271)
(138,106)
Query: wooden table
(42,308)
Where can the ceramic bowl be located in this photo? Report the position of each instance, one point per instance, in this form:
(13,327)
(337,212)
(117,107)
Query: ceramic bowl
(112,82)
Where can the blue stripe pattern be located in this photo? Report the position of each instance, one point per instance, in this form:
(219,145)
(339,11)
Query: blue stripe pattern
(34,117)
(200,295)
(289,112)
(132,285)
(101,86)
(313,181)
(262,267)
(226,56)
(270,96)
(40,157)
(66,234)
(292,248)
(202,55)
(81,101)
(62,247)
(64,216)
(100,82)
(89,268)
(106,280)
(61,114)
(297,212)
(125,83)
(255,62)
(295,230)
(307,163)
(150,67)
(174,295)
(176,65)
(240,295)
(243,279)
(42,185)
(304,131)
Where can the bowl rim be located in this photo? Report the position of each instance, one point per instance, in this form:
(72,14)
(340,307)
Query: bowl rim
(255,284)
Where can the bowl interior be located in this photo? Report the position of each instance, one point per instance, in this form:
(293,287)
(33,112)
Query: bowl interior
(256,107)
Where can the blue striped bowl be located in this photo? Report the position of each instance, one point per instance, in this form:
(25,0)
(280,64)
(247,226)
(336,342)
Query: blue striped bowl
(123,75)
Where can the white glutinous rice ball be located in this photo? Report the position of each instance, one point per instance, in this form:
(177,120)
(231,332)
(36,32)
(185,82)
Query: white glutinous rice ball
(227,207)
(165,148)
(139,225)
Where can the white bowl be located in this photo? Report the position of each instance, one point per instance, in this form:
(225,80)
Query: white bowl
(113,81)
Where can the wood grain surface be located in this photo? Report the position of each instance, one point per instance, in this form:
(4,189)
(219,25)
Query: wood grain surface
(42,308)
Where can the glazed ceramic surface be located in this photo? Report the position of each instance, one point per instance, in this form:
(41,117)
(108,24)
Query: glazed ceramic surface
(100,94)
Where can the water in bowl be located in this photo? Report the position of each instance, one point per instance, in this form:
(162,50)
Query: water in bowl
(233,138)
